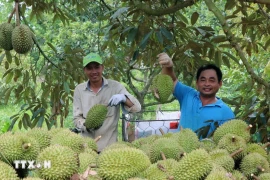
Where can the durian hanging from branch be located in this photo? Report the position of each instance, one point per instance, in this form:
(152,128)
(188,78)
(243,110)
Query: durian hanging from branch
(22,36)
(6,33)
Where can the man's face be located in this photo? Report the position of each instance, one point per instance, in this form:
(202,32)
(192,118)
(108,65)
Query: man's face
(94,71)
(208,84)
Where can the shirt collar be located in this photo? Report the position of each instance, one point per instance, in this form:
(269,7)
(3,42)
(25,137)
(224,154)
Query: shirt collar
(219,102)
(104,83)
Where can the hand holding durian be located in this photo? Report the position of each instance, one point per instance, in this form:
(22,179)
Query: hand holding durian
(164,60)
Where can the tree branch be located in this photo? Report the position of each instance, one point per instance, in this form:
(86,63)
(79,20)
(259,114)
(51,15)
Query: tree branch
(231,38)
(263,12)
(161,11)
(11,15)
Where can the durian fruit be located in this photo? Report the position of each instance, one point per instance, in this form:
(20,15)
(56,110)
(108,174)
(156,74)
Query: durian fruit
(207,144)
(219,173)
(69,139)
(187,139)
(221,157)
(90,143)
(233,143)
(17,147)
(96,116)
(237,175)
(86,159)
(121,164)
(235,126)
(145,140)
(254,147)
(264,176)
(42,136)
(162,87)
(22,39)
(63,160)
(254,163)
(32,178)
(160,170)
(195,165)
(5,36)
(7,172)
(118,144)
(168,146)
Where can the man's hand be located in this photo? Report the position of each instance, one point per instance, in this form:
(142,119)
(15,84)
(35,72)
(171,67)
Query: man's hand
(164,60)
(117,99)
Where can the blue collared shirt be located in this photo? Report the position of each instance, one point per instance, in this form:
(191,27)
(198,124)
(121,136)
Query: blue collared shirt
(194,115)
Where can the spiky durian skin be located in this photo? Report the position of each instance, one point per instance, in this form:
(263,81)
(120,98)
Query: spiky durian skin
(264,176)
(67,138)
(86,159)
(169,147)
(162,84)
(218,173)
(17,147)
(222,158)
(64,163)
(236,126)
(232,143)
(96,116)
(42,136)
(22,39)
(195,165)
(207,144)
(5,36)
(187,139)
(91,143)
(250,163)
(254,147)
(32,178)
(121,164)
(238,175)
(160,170)
(145,140)
(7,172)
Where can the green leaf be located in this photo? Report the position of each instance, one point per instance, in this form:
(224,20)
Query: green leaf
(131,35)
(218,59)
(232,57)
(40,121)
(7,72)
(17,61)
(9,57)
(145,39)
(26,121)
(119,12)
(6,65)
(66,87)
(230,4)
(166,33)
(9,77)
(194,18)
(226,61)
(159,37)
(267,44)
(1,58)
(7,94)
(53,48)
(219,38)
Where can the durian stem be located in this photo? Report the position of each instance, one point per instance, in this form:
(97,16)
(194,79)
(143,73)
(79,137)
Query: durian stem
(26,145)
(260,168)
(163,156)
(93,166)
(97,139)
(170,178)
(236,152)
(161,167)
(17,14)
(182,154)
(249,127)
(266,145)
(233,139)
(254,177)
(11,15)
(161,131)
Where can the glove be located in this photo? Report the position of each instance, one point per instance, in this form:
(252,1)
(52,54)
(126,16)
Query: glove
(117,99)
(164,60)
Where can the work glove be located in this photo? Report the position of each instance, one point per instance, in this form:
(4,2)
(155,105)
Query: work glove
(164,60)
(117,99)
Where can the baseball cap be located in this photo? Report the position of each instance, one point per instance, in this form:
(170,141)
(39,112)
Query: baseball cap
(91,57)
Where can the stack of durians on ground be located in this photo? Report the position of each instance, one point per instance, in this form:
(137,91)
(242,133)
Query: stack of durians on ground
(19,38)
(228,155)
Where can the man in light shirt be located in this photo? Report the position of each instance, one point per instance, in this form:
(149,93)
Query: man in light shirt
(99,90)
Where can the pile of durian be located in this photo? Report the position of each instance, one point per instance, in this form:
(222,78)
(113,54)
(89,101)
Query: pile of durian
(19,38)
(228,155)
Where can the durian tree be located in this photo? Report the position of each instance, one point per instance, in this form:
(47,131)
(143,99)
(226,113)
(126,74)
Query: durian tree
(130,34)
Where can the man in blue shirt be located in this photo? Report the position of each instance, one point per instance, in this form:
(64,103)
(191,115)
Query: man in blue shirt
(200,109)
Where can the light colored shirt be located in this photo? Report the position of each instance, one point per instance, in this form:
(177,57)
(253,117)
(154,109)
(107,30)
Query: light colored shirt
(194,115)
(84,99)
